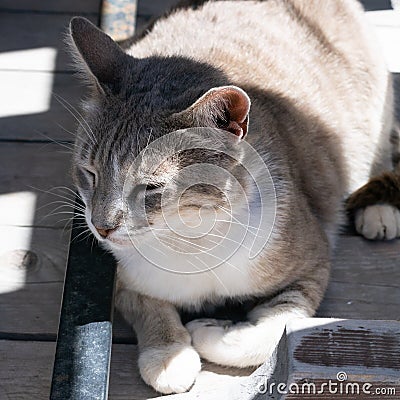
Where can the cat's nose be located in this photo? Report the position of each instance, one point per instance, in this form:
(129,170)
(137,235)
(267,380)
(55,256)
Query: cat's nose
(104,232)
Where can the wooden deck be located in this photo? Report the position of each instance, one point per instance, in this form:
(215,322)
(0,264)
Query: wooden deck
(34,71)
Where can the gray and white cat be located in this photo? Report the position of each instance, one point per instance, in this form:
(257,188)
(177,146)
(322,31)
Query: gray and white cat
(214,161)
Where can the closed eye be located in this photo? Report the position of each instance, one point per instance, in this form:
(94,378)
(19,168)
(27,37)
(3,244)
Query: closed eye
(152,186)
(90,175)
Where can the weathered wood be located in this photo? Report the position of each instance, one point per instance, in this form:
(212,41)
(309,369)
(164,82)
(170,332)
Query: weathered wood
(28,171)
(367,351)
(365,280)
(32,265)
(25,371)
(373,5)
(363,354)
(29,368)
(154,8)
(52,6)
(32,31)
(30,109)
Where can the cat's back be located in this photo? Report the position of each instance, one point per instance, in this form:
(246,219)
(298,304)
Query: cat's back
(319,55)
(259,36)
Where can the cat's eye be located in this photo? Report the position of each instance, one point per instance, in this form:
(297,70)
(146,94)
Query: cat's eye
(90,175)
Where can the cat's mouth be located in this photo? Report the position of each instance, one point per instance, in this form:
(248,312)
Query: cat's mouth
(123,240)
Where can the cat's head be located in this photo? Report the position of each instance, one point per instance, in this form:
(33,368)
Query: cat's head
(159,140)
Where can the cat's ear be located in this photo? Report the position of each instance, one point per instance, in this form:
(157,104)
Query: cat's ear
(226,107)
(97,54)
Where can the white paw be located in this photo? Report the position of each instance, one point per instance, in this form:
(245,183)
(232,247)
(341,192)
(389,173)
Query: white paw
(169,369)
(237,345)
(379,222)
(208,336)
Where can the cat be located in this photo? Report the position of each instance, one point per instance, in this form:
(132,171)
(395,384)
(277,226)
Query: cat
(214,161)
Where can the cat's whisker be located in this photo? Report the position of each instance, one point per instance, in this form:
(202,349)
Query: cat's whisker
(78,224)
(51,192)
(91,246)
(68,207)
(62,143)
(207,268)
(178,240)
(148,142)
(210,270)
(247,227)
(70,108)
(236,220)
(186,241)
(86,231)
(66,130)
(224,238)
(75,193)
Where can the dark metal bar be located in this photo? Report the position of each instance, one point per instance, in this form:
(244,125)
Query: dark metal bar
(82,361)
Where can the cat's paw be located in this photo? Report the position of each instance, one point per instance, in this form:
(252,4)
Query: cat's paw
(169,369)
(378,222)
(207,335)
(228,344)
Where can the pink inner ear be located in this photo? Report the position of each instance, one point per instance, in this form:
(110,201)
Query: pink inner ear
(229,100)
(238,129)
(238,107)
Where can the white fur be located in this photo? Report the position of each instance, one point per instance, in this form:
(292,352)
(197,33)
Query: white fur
(170,369)
(242,344)
(226,270)
(380,221)
(231,278)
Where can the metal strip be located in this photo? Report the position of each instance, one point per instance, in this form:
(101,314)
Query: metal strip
(82,361)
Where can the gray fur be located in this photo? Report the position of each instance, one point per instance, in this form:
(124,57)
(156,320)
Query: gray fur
(320,118)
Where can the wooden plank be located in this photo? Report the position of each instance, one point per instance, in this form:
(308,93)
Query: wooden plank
(372,5)
(367,351)
(365,280)
(33,31)
(25,369)
(154,8)
(30,109)
(32,268)
(126,383)
(27,172)
(52,6)
(348,351)
(32,264)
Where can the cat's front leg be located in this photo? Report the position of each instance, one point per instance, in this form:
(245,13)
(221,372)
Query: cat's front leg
(167,361)
(253,343)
